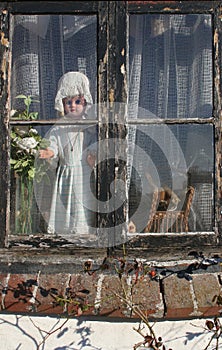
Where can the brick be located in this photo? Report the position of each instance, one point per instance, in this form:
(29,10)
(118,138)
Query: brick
(111,292)
(84,287)
(178,298)
(19,293)
(46,300)
(146,294)
(206,286)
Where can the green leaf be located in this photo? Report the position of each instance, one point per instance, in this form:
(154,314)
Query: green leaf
(33,115)
(25,164)
(27,101)
(13,161)
(31,173)
(18,164)
(13,135)
(21,96)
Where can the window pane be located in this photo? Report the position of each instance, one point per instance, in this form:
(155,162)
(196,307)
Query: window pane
(168,160)
(171,65)
(46,48)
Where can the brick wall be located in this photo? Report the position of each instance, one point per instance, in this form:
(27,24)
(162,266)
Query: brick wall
(112,295)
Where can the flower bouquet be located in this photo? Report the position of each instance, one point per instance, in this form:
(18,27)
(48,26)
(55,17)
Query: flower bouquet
(25,143)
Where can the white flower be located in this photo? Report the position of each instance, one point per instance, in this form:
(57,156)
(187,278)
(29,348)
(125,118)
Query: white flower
(33,131)
(27,143)
(33,151)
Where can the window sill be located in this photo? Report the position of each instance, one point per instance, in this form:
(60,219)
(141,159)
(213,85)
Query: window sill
(162,247)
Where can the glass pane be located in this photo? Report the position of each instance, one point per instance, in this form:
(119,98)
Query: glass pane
(54,76)
(165,161)
(44,48)
(170,63)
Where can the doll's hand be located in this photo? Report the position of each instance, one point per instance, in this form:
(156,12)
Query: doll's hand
(46,153)
(91,160)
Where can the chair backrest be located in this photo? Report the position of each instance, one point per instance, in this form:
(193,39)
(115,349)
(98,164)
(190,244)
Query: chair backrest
(152,210)
(188,201)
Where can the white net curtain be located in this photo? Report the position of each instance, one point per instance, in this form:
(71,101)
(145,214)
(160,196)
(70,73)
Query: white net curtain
(171,64)
(44,48)
(170,77)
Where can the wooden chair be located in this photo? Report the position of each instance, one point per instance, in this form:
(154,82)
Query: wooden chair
(155,199)
(173,221)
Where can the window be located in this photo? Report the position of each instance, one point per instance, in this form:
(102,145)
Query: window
(154,125)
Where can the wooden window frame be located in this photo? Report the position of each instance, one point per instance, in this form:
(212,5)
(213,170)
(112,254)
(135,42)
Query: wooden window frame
(178,245)
(112,87)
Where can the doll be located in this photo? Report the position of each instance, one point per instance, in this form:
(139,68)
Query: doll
(71,149)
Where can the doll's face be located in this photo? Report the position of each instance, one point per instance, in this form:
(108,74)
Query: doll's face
(74,106)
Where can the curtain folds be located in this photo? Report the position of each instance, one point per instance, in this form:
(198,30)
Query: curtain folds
(44,48)
(171,77)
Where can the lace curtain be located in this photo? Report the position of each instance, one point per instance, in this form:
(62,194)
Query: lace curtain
(171,65)
(170,77)
(44,48)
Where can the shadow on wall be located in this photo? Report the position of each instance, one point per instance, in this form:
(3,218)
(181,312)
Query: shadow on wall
(34,336)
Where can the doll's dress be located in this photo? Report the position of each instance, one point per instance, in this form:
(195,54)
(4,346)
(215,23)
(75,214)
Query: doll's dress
(73,202)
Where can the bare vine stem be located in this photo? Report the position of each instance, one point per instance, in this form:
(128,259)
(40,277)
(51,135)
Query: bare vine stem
(48,334)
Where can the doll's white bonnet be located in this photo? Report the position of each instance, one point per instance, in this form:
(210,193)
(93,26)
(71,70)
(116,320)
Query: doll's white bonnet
(72,84)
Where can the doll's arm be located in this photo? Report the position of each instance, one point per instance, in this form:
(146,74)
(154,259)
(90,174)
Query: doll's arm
(46,153)
(91,159)
(52,150)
